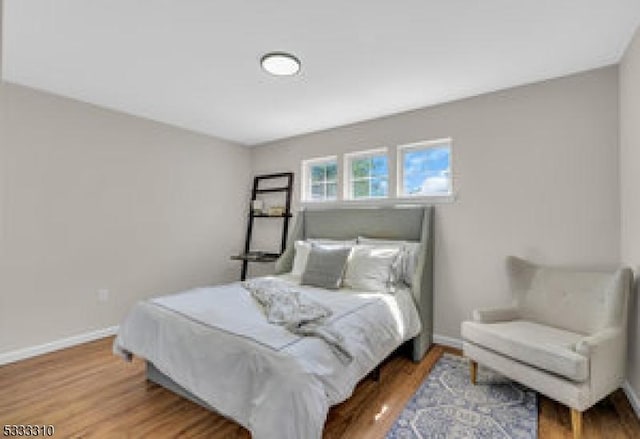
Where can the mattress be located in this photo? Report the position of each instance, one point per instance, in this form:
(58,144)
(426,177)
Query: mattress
(216,343)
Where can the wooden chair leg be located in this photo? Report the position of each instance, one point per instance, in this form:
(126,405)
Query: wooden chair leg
(474,371)
(376,374)
(576,423)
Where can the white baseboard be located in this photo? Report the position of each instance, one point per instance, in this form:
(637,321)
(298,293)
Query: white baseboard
(632,396)
(56,345)
(452,342)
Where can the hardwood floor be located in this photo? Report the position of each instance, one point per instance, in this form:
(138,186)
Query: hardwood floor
(86,392)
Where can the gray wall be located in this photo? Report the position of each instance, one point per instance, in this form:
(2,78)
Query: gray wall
(630,185)
(536,169)
(93,199)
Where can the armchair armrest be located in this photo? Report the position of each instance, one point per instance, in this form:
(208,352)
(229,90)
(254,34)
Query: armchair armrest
(600,341)
(493,315)
(606,351)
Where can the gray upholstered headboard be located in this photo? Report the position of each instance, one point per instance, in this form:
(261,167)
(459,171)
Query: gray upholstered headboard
(400,223)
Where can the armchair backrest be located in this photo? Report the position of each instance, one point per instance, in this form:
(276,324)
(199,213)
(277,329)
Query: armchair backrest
(576,300)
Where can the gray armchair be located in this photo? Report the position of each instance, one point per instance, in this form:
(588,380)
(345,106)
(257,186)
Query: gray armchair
(563,335)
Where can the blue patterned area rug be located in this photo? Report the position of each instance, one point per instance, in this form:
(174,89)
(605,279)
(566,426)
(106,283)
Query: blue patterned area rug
(448,406)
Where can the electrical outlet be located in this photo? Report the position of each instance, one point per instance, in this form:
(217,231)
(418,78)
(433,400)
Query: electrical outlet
(103,295)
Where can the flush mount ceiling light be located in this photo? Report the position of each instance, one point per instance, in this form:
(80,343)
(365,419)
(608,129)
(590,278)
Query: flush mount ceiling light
(280,64)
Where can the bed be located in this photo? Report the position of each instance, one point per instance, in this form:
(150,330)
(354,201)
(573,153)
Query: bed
(213,345)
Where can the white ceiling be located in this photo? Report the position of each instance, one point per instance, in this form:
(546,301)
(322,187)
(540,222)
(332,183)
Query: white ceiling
(195,63)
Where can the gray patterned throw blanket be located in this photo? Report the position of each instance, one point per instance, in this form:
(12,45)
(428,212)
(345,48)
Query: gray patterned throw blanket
(285,306)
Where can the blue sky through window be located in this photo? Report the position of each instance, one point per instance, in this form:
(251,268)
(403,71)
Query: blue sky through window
(427,171)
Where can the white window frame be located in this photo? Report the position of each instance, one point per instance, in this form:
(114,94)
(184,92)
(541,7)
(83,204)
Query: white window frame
(348,177)
(306,178)
(417,146)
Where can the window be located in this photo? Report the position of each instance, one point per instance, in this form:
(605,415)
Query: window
(367,175)
(382,175)
(424,169)
(320,179)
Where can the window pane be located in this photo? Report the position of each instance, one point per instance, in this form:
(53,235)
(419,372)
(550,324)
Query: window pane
(332,171)
(426,171)
(361,188)
(332,191)
(379,166)
(360,167)
(379,187)
(368,171)
(317,191)
(317,173)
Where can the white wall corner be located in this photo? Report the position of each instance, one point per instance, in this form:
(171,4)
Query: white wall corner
(632,396)
(444,340)
(56,345)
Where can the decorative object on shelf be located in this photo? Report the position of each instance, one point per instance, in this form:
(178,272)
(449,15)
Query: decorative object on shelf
(257,206)
(259,210)
(276,211)
(255,255)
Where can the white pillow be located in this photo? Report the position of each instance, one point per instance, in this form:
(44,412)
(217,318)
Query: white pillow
(410,253)
(332,242)
(303,248)
(372,268)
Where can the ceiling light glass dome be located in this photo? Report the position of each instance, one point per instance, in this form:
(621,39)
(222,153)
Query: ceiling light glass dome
(280,64)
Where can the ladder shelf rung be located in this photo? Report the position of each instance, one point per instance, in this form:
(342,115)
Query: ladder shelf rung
(266,215)
(272,189)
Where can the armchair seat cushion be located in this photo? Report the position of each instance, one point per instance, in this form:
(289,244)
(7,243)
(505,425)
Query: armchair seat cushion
(545,347)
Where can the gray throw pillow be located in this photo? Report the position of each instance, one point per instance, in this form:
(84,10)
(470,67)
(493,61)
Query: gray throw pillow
(325,267)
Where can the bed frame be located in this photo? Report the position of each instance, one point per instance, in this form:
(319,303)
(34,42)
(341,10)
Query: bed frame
(394,223)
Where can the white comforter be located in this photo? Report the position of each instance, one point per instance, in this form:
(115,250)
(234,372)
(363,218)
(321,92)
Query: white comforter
(216,343)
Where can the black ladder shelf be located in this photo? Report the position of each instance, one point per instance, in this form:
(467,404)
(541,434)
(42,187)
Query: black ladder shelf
(262,256)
